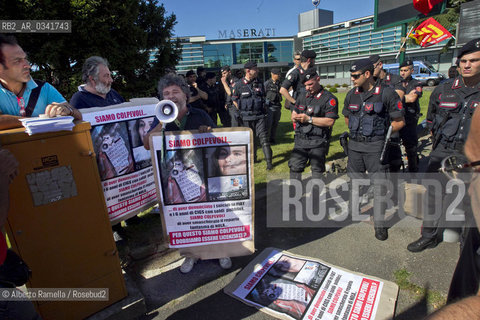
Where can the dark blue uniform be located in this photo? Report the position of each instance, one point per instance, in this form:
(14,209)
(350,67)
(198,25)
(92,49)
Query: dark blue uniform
(369,115)
(273,102)
(235,120)
(394,151)
(249,97)
(311,142)
(449,113)
(408,133)
(294,80)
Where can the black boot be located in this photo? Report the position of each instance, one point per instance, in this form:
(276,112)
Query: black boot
(412,159)
(267,151)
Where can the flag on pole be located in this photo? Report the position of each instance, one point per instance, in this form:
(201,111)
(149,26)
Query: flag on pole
(425,6)
(430,32)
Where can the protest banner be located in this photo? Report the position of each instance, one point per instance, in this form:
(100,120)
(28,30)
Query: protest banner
(289,286)
(206,190)
(124,165)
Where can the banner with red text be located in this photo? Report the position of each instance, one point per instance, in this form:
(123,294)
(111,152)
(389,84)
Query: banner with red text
(205,186)
(124,165)
(288,286)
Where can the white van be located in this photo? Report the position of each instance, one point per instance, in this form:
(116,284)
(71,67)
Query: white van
(423,71)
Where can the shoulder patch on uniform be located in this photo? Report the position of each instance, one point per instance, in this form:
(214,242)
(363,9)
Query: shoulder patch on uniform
(332,102)
(399,105)
(289,77)
(418,89)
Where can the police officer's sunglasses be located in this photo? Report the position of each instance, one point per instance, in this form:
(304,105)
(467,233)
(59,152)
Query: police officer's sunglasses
(458,167)
(356,76)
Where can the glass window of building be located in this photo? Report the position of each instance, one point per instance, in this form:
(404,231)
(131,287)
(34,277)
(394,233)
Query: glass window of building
(217,55)
(279,51)
(249,51)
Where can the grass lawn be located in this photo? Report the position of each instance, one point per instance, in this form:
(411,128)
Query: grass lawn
(283,147)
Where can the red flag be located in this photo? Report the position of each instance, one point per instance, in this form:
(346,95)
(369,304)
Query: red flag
(430,32)
(425,6)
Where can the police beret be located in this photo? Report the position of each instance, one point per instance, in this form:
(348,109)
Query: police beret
(362,64)
(310,73)
(210,75)
(309,54)
(470,47)
(250,65)
(275,71)
(190,73)
(374,58)
(406,63)
(225,68)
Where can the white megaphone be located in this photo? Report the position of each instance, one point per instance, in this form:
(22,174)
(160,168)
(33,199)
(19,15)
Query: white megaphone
(166,111)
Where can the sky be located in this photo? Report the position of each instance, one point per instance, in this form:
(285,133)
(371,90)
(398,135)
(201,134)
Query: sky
(208,17)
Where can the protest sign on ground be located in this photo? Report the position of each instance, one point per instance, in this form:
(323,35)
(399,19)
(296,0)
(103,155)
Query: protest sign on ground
(289,286)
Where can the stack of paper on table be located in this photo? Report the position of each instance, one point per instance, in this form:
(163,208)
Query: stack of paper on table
(39,125)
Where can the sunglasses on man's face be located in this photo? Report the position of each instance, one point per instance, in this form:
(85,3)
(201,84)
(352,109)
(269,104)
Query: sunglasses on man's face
(356,76)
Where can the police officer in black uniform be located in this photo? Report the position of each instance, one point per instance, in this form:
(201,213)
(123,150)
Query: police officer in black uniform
(449,114)
(294,79)
(389,79)
(197,95)
(315,113)
(411,103)
(368,109)
(214,102)
(273,102)
(228,81)
(393,81)
(248,96)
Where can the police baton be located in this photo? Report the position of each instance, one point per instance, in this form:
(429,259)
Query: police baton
(383,155)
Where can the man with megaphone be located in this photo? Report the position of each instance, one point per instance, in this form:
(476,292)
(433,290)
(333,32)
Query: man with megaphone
(180,116)
(174,88)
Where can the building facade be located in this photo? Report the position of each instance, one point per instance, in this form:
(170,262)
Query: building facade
(337,46)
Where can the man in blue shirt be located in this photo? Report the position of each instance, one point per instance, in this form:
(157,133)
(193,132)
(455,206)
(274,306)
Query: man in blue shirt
(18,91)
(97,90)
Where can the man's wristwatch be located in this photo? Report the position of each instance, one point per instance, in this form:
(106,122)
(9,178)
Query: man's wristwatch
(310,120)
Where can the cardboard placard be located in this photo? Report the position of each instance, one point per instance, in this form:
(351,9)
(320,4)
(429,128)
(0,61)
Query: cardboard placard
(124,165)
(205,187)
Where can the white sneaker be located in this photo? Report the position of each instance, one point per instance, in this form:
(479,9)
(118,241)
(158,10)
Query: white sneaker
(225,263)
(187,265)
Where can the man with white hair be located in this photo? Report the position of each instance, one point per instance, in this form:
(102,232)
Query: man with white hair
(97,88)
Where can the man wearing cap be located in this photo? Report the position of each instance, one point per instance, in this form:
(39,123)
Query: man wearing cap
(247,96)
(273,102)
(196,94)
(449,115)
(294,79)
(392,80)
(413,93)
(314,113)
(369,108)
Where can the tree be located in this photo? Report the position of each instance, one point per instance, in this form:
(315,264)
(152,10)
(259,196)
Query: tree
(122,31)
